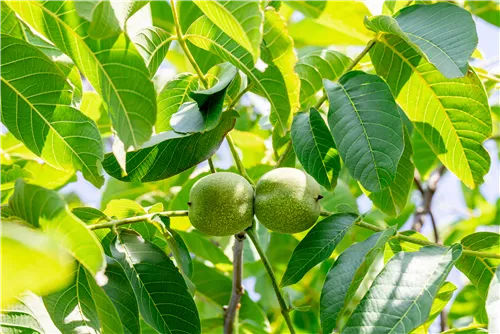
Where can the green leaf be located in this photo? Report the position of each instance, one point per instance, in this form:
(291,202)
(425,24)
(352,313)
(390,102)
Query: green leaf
(41,116)
(279,84)
(10,24)
(169,153)
(13,149)
(89,215)
(493,303)
(205,112)
(203,248)
(162,294)
(83,304)
(400,298)
(424,158)
(19,318)
(124,208)
(316,66)
(107,18)
(31,260)
(93,107)
(418,26)
(367,128)
(121,294)
(338,24)
(480,271)
(392,200)
(442,298)
(214,286)
(341,200)
(180,252)
(172,96)
(309,8)
(240,20)
(345,276)
(317,246)
(105,63)
(153,44)
(467,306)
(452,115)
(313,143)
(44,208)
(487,10)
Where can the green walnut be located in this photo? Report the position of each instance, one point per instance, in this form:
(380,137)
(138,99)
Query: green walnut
(287,200)
(221,204)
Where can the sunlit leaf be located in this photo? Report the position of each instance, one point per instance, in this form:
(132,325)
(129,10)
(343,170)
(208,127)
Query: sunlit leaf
(367,128)
(317,246)
(10,24)
(452,115)
(44,208)
(487,10)
(124,208)
(153,44)
(493,303)
(31,260)
(400,298)
(345,276)
(480,271)
(156,160)
(105,63)
(240,20)
(162,294)
(41,116)
(450,51)
(83,305)
(309,8)
(313,143)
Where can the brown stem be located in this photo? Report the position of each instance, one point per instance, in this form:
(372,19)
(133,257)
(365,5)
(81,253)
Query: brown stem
(231,312)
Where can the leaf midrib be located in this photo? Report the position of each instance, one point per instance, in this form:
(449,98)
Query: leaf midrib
(49,124)
(111,84)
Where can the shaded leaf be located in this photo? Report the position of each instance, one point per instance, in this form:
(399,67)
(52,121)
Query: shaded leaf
(345,276)
(44,208)
(392,200)
(180,252)
(309,8)
(156,160)
(113,66)
(19,318)
(317,246)
(203,248)
(480,271)
(315,66)
(31,260)
(417,25)
(205,112)
(452,115)
(162,294)
(400,298)
(83,305)
(367,128)
(313,143)
(124,208)
(41,116)
(487,10)
(89,215)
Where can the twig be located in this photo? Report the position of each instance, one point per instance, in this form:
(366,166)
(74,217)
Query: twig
(137,219)
(283,157)
(211,165)
(239,96)
(237,160)
(285,311)
(370,44)
(184,47)
(231,311)
(416,241)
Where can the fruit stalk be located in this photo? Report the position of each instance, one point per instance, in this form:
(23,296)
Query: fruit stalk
(232,310)
(237,160)
(285,310)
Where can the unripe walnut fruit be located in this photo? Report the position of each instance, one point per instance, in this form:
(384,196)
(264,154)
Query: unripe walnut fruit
(221,204)
(287,200)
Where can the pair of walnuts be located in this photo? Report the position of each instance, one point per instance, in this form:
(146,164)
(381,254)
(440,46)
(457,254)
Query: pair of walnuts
(286,200)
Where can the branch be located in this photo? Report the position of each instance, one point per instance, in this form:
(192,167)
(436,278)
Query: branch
(370,44)
(285,311)
(231,311)
(416,241)
(137,219)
